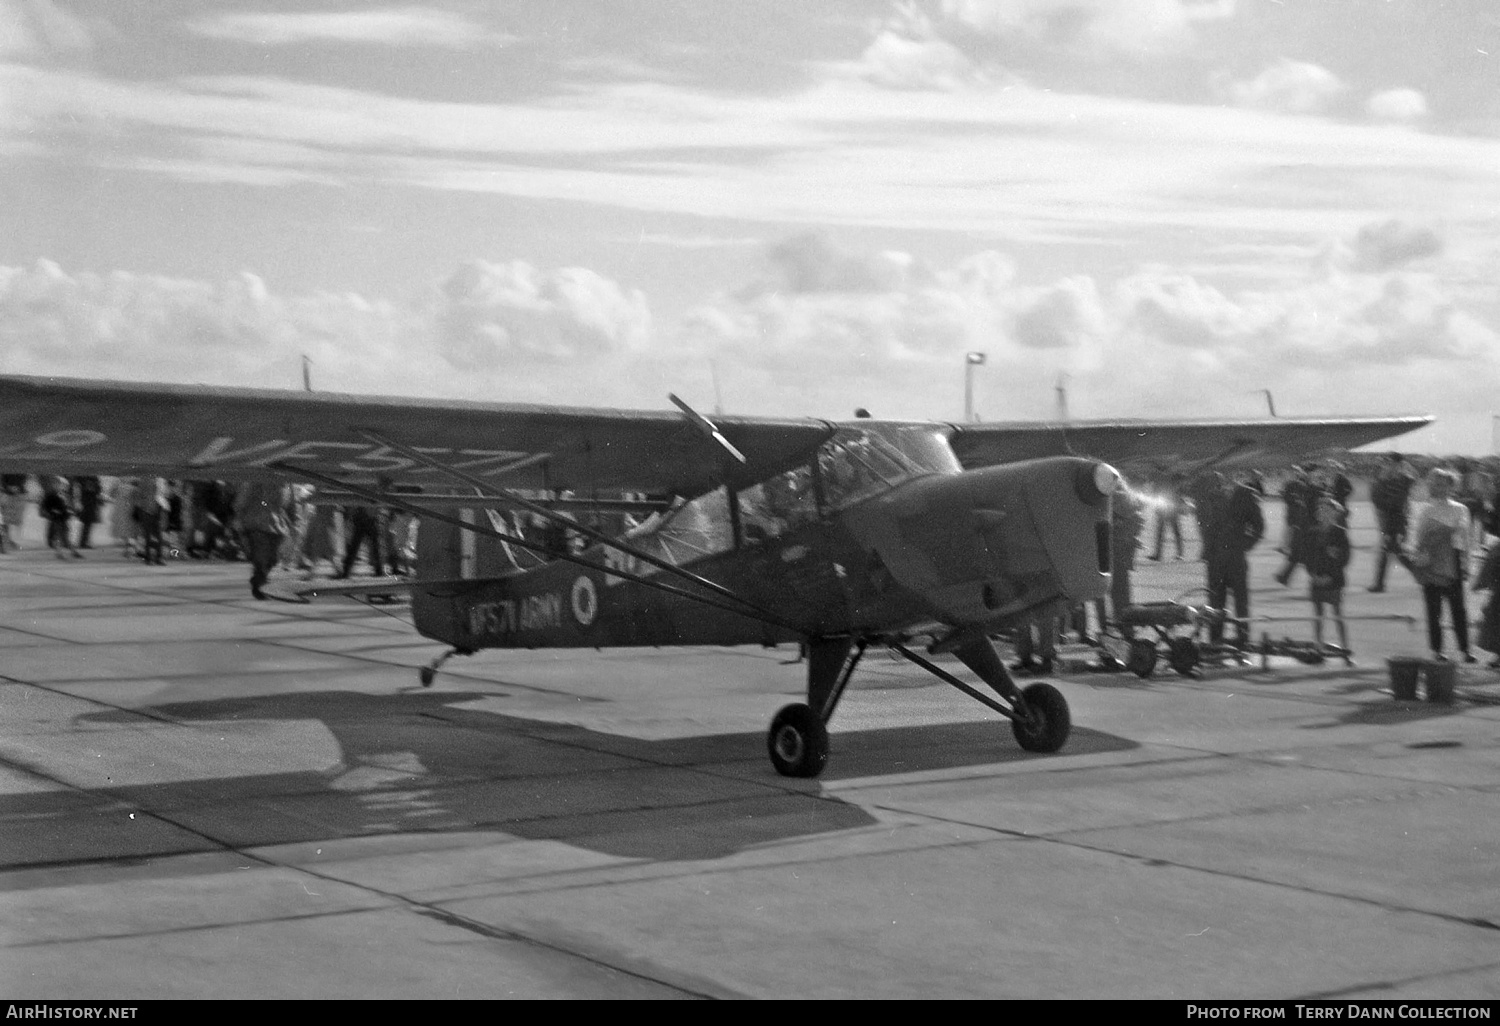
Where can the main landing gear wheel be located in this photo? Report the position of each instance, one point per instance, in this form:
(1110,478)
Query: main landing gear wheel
(425,675)
(1183,655)
(798,742)
(1142,659)
(1042,723)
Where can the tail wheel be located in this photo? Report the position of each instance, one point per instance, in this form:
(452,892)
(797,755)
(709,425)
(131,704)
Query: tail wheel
(1142,659)
(1042,722)
(1183,655)
(798,742)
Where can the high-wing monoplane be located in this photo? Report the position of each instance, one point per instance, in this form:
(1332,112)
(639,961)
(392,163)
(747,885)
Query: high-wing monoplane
(687,531)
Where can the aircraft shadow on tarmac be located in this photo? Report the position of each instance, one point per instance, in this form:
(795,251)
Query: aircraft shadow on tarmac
(420,762)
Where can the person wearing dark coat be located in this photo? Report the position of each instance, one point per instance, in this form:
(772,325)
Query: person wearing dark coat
(87,497)
(1232,525)
(364,529)
(1327,556)
(1488,579)
(57,511)
(1391,495)
(1301,497)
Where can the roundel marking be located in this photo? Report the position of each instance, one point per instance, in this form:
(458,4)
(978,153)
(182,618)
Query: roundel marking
(70,439)
(585,601)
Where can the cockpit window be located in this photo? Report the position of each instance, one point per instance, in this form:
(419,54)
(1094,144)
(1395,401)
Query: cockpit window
(858,462)
(855,463)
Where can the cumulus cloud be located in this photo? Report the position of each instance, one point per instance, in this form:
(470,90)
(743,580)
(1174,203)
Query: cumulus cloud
(31,29)
(809,262)
(1290,87)
(510,330)
(386,26)
(1397,105)
(1384,245)
(909,53)
(823,329)
(1149,344)
(490,314)
(1132,27)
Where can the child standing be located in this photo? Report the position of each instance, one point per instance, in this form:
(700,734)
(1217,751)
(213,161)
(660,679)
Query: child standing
(1327,556)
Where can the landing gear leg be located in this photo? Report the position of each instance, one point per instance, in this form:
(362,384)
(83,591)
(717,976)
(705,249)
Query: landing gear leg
(426,673)
(798,739)
(1038,716)
(1040,720)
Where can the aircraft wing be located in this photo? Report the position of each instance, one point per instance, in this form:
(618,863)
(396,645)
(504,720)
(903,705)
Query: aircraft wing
(1136,446)
(73,426)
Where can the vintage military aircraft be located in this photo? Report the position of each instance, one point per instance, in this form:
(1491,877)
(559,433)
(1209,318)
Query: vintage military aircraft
(742,530)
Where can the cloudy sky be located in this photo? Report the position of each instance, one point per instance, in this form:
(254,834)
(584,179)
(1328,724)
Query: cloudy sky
(1166,205)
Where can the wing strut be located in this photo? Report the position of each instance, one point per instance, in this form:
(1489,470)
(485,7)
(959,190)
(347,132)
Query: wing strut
(395,500)
(487,489)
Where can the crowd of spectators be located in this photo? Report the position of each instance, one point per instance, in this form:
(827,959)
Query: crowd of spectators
(1438,519)
(154,519)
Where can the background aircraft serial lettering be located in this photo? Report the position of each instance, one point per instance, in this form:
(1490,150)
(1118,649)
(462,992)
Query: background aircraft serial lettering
(753,530)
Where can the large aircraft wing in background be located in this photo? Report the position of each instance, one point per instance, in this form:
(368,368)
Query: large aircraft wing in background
(72,426)
(1146,446)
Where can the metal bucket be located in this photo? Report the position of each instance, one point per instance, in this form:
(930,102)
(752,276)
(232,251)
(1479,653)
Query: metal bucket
(1404,672)
(1438,679)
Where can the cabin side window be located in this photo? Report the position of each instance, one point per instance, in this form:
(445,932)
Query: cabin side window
(777,505)
(691,531)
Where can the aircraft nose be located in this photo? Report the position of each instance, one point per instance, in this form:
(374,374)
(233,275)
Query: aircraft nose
(985,544)
(1051,517)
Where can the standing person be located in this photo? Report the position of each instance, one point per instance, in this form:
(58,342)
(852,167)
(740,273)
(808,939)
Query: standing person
(260,513)
(14,488)
(318,543)
(1125,523)
(1204,490)
(364,527)
(87,498)
(1488,579)
(1301,497)
(57,512)
(122,524)
(1334,483)
(174,522)
(1390,494)
(1327,556)
(398,541)
(1473,491)
(1440,560)
(1169,515)
(1234,525)
(1036,641)
(151,505)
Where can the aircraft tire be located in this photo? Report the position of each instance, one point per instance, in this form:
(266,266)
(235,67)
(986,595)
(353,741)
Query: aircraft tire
(798,742)
(1046,725)
(425,675)
(1142,660)
(1183,655)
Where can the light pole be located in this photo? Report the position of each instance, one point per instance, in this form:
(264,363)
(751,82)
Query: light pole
(971,360)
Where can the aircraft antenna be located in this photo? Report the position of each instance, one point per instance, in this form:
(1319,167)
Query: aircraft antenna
(971,360)
(1270,399)
(306,374)
(713,372)
(1062,397)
